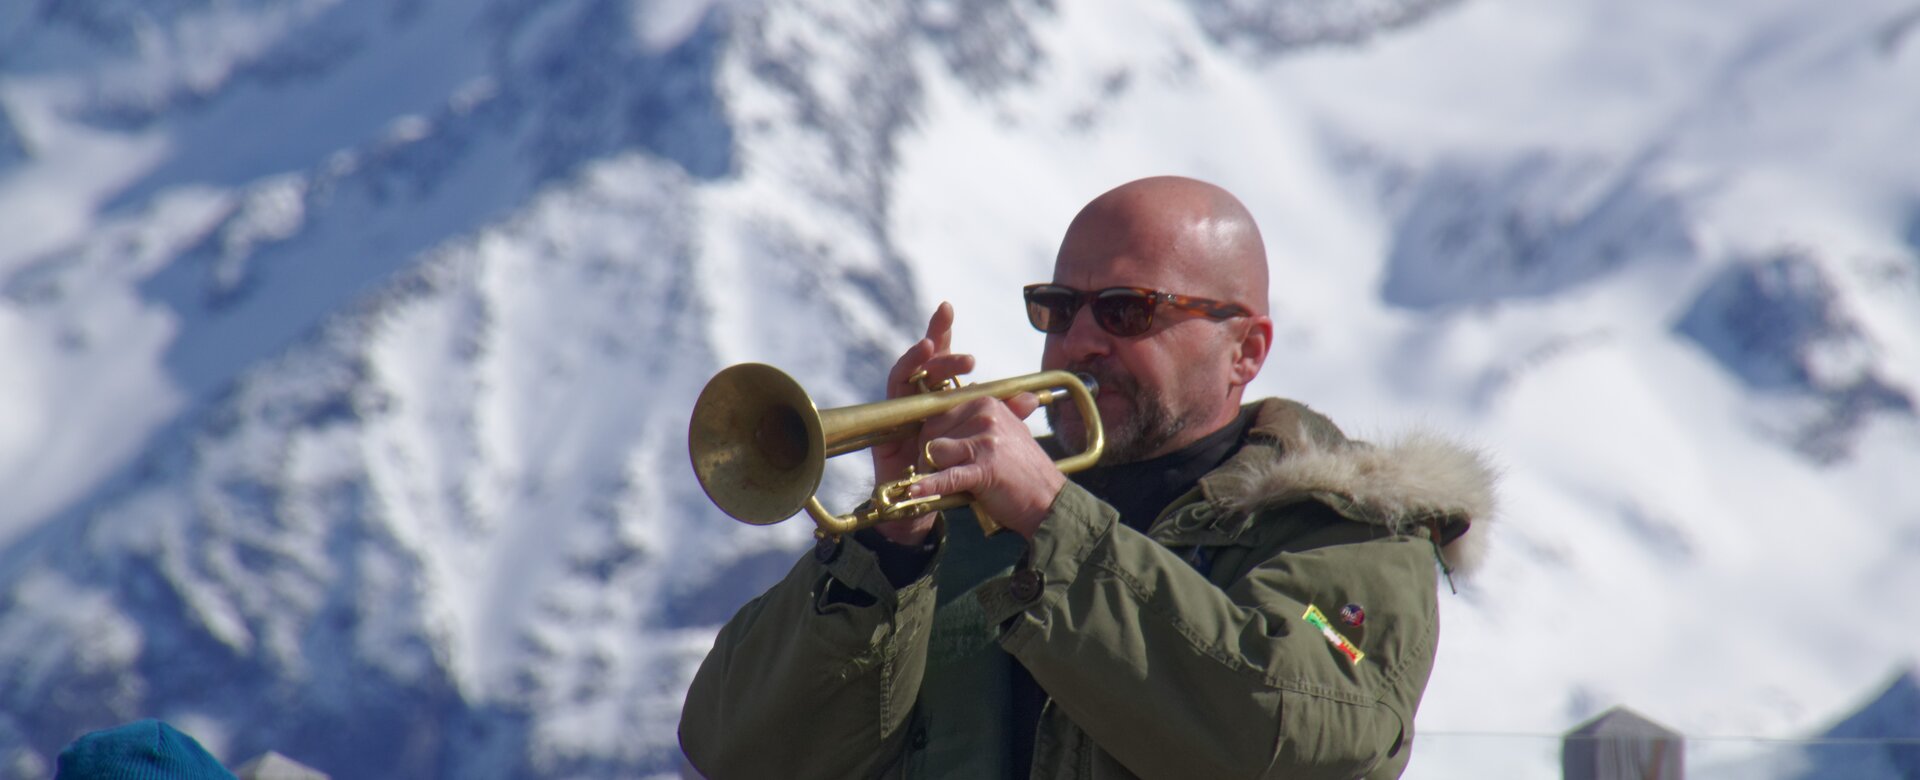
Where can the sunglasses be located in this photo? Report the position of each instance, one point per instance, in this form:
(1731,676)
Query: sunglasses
(1122,311)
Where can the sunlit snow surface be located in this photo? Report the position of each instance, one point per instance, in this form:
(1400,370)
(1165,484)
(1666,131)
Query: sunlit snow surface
(350,345)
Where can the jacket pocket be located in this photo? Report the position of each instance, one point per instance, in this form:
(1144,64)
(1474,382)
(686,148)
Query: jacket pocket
(1326,738)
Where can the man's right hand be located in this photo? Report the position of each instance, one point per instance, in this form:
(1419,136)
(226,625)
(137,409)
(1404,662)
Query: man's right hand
(890,460)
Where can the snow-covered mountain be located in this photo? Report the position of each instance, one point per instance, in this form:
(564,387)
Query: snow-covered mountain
(351,345)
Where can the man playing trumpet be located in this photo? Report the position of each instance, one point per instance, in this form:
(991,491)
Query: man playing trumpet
(1236,590)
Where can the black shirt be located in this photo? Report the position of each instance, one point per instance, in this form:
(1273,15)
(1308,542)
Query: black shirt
(1140,490)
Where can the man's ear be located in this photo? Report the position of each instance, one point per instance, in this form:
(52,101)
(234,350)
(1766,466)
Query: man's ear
(1250,352)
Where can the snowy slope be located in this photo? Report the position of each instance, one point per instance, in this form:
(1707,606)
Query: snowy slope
(352,343)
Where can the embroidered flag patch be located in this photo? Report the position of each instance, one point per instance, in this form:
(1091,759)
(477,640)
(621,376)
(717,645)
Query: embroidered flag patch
(1340,643)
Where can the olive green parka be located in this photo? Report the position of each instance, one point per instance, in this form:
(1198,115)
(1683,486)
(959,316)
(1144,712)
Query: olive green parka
(1188,651)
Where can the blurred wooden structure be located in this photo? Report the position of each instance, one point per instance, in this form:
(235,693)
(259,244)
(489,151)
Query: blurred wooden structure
(1621,744)
(273,766)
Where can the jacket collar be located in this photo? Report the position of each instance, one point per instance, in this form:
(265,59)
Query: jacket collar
(1294,454)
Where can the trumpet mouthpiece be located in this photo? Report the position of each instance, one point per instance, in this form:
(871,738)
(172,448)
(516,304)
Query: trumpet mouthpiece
(1093,385)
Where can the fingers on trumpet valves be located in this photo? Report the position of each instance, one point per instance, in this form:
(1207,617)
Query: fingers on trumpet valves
(951,451)
(927,384)
(920,371)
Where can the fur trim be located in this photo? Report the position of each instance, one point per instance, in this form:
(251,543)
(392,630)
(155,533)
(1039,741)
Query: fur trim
(1412,481)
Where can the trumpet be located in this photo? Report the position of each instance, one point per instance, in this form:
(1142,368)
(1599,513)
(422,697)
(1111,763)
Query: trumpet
(760,445)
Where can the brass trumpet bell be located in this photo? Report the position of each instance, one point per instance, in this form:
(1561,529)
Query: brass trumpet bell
(756,443)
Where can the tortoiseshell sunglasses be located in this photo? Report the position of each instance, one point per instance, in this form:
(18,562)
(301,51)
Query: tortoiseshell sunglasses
(1122,311)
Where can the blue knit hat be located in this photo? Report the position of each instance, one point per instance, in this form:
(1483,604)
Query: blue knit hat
(141,750)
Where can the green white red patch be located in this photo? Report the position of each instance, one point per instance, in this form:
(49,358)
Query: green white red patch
(1340,643)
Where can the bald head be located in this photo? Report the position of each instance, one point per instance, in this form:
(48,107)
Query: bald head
(1184,377)
(1179,228)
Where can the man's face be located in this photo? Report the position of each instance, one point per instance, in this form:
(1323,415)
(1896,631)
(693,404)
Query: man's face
(1158,391)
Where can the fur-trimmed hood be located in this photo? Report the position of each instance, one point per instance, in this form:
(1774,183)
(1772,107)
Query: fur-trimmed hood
(1418,480)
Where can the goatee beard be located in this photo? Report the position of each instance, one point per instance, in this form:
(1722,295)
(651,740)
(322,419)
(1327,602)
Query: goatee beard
(1150,426)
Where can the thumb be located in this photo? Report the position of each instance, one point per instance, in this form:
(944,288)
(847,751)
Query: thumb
(1023,404)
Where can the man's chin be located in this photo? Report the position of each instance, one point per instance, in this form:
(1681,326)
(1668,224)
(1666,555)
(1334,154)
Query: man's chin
(1071,436)
(1113,406)
(1072,432)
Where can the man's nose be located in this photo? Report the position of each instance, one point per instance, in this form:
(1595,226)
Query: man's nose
(1084,337)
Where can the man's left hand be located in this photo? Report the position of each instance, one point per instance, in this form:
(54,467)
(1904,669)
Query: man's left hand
(983,447)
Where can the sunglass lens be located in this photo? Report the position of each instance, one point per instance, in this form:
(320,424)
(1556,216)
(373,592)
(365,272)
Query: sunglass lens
(1051,309)
(1123,312)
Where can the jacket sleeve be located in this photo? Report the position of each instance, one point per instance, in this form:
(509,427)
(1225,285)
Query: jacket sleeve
(815,678)
(1176,677)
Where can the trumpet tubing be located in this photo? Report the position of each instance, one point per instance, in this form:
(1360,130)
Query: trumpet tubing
(759,444)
